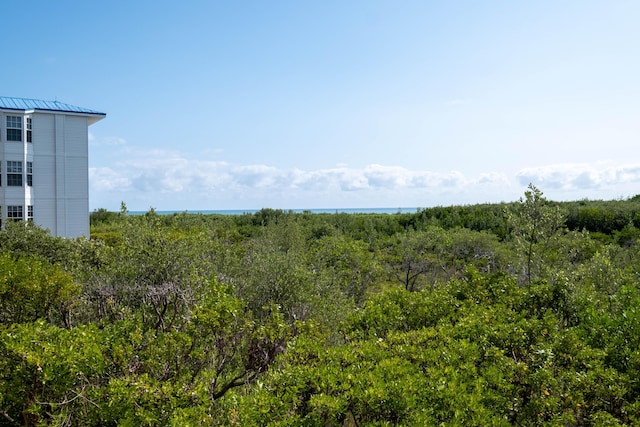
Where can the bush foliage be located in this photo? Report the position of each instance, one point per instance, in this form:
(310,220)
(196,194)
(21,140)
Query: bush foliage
(525,313)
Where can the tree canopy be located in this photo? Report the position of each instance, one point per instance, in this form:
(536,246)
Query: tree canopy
(524,313)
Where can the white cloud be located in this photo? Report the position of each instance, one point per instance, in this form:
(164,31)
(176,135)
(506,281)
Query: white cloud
(169,172)
(311,180)
(106,179)
(106,140)
(379,176)
(156,174)
(569,177)
(493,178)
(258,176)
(352,180)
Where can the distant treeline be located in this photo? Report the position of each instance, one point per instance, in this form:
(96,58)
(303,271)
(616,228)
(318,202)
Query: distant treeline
(597,216)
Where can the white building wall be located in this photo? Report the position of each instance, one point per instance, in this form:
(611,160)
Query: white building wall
(44,184)
(75,176)
(59,153)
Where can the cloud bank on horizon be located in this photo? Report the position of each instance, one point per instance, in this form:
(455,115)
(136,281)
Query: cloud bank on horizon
(160,178)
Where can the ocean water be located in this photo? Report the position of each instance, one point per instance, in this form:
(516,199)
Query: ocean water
(316,211)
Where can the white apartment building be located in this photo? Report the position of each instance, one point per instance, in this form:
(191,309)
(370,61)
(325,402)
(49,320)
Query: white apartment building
(44,164)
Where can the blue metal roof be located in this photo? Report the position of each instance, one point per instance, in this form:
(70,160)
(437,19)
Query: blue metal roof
(24,104)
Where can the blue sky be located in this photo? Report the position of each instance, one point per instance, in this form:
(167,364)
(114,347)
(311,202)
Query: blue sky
(340,104)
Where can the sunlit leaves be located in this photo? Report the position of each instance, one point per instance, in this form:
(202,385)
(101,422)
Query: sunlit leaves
(32,289)
(534,224)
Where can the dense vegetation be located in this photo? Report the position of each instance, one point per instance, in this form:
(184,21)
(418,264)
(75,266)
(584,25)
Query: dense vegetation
(525,313)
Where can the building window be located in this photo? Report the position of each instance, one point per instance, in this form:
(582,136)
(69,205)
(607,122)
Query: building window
(14,174)
(14,213)
(30,174)
(29,129)
(30,213)
(14,128)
